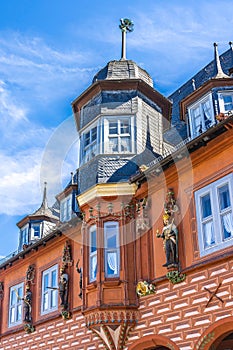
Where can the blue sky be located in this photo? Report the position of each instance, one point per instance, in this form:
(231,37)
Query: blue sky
(49,52)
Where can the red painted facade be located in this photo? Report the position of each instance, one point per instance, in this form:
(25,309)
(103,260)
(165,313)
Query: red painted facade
(187,304)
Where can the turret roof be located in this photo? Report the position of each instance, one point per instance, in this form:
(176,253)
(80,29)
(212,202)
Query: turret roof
(123,69)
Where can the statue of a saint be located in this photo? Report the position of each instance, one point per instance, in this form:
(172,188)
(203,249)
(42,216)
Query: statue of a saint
(27,305)
(63,290)
(170,238)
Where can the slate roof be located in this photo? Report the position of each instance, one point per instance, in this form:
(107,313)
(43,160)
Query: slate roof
(123,69)
(118,170)
(206,73)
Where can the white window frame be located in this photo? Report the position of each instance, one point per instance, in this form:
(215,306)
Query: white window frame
(219,241)
(16,305)
(32,230)
(92,254)
(111,254)
(23,234)
(66,208)
(222,104)
(49,296)
(191,113)
(118,135)
(90,150)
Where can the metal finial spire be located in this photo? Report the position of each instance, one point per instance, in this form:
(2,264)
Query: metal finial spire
(125,26)
(194,84)
(44,201)
(220,73)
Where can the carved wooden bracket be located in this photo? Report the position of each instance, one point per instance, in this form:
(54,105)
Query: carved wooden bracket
(112,327)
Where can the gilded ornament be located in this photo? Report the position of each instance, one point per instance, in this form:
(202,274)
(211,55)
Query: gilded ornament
(145,288)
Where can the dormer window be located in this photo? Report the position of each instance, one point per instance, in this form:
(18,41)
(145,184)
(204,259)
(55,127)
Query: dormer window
(23,237)
(226,101)
(35,231)
(201,116)
(66,209)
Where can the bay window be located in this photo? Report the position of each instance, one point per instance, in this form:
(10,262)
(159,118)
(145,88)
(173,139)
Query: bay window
(111,249)
(214,215)
(89,144)
(118,135)
(93,253)
(110,135)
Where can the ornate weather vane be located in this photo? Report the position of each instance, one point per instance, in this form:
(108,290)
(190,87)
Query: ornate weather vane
(125,26)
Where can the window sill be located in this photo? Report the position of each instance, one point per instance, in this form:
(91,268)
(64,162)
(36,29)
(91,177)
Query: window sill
(92,285)
(112,283)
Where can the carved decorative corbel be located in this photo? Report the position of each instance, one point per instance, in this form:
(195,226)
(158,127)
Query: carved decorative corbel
(112,327)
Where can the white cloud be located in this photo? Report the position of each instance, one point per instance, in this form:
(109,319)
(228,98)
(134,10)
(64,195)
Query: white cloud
(22,143)
(19,186)
(9,111)
(24,172)
(31,71)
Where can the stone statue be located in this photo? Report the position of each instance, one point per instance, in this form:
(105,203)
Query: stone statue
(27,305)
(63,289)
(170,237)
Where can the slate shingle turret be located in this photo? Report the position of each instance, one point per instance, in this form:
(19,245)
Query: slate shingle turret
(123,69)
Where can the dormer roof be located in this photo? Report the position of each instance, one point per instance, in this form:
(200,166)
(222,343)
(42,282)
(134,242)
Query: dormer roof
(44,212)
